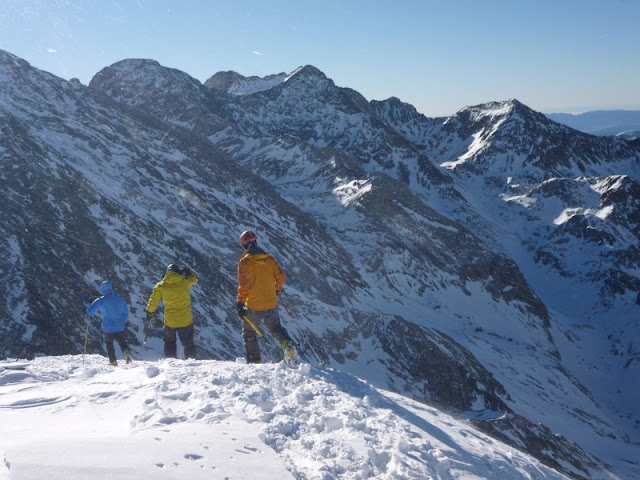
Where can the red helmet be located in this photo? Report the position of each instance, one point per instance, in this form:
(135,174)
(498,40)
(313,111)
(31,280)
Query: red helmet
(247,237)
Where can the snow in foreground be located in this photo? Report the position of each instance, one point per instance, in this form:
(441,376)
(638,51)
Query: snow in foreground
(63,419)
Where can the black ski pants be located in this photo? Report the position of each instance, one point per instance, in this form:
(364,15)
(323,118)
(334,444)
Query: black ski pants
(186,335)
(271,320)
(119,337)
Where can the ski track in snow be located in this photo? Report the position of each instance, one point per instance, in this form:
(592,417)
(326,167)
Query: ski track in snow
(63,419)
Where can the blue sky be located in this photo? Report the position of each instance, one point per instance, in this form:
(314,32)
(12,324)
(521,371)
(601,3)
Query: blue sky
(440,56)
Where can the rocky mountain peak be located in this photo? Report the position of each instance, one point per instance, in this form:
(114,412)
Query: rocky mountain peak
(462,288)
(308,71)
(8,60)
(142,82)
(133,69)
(163,92)
(490,113)
(235,84)
(509,139)
(393,107)
(28,90)
(309,78)
(223,80)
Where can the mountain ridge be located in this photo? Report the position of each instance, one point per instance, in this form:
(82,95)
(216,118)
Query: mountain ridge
(623,123)
(367,226)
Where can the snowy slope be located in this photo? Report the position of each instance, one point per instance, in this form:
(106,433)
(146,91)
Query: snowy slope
(498,154)
(68,418)
(566,211)
(410,244)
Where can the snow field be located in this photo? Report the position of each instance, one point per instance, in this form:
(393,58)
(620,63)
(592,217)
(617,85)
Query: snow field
(63,419)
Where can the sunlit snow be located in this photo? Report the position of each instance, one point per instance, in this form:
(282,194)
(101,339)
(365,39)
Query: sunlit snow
(75,417)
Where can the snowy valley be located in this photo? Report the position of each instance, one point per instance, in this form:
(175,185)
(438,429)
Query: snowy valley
(486,264)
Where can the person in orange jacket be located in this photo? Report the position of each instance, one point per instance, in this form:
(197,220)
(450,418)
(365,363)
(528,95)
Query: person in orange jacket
(260,280)
(174,292)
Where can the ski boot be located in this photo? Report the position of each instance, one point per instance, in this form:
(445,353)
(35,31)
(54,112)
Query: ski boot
(127,356)
(289,351)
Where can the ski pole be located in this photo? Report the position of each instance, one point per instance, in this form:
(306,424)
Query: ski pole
(253,325)
(301,332)
(86,337)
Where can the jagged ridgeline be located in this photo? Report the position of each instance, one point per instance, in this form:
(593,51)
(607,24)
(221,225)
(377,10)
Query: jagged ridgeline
(487,263)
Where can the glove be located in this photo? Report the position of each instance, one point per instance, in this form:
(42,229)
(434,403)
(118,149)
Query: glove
(242,309)
(186,272)
(151,316)
(279,292)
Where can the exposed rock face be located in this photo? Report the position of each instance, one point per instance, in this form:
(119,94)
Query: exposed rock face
(465,261)
(423,362)
(552,450)
(235,84)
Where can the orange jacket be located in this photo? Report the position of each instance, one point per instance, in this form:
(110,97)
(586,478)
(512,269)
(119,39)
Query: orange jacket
(259,278)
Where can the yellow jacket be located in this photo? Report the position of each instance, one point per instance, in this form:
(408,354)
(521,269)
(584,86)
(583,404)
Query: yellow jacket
(259,278)
(173,291)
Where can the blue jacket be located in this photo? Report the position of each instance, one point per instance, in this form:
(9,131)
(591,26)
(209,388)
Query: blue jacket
(115,312)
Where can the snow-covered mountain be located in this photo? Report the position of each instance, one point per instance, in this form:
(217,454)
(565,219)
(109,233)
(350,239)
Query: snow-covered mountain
(622,123)
(487,263)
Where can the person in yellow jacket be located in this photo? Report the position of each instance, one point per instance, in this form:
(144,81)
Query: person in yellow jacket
(260,280)
(174,292)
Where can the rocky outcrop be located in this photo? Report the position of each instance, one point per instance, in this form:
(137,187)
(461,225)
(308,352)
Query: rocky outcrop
(419,252)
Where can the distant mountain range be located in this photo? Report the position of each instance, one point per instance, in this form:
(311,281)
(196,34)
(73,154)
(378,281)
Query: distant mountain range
(487,263)
(623,123)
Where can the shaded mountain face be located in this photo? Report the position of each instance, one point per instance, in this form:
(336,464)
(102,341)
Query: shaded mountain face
(115,193)
(452,260)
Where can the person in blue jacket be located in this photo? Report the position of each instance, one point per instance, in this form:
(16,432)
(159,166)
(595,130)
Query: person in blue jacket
(115,315)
